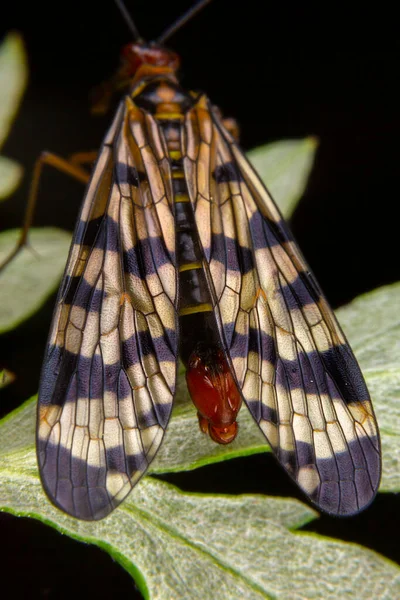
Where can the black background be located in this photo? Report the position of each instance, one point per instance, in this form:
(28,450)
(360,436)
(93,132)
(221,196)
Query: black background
(283,70)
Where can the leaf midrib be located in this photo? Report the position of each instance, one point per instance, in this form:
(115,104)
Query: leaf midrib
(174,533)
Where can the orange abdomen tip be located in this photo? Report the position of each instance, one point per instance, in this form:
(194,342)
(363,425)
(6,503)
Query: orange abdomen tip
(214,393)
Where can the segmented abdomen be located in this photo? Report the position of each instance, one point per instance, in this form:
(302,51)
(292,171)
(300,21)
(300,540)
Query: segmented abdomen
(168,104)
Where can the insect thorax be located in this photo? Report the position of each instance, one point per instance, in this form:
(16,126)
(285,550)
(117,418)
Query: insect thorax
(162,96)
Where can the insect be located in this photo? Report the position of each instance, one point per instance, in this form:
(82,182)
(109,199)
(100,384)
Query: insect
(179,250)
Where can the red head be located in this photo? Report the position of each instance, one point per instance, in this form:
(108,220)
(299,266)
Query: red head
(139,54)
(214,393)
(149,57)
(138,60)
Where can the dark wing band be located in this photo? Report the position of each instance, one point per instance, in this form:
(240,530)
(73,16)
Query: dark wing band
(109,374)
(295,369)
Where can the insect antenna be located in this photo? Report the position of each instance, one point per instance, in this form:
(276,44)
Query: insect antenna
(129,21)
(182,21)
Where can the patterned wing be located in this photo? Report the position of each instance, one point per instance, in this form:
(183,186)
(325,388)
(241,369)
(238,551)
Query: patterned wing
(295,369)
(109,373)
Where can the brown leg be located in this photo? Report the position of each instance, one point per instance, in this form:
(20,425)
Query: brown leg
(232,126)
(83,158)
(72,167)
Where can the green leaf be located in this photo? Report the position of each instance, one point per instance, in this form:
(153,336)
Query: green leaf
(229,546)
(284,167)
(13,80)
(179,545)
(10,176)
(372,324)
(28,280)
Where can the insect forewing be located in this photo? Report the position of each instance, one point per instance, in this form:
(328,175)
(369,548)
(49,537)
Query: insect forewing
(292,363)
(109,372)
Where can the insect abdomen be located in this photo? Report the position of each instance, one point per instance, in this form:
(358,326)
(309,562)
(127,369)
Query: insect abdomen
(197,321)
(168,103)
(210,382)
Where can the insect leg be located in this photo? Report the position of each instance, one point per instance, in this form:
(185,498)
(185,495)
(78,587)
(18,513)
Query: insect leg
(83,158)
(72,167)
(232,126)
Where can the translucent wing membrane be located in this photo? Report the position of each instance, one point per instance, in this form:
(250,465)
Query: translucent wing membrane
(109,373)
(295,369)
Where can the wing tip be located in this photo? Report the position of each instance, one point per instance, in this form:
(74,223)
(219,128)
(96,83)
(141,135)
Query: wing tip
(83,491)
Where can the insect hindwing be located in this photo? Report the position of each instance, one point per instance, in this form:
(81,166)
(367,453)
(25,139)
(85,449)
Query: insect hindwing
(109,373)
(295,369)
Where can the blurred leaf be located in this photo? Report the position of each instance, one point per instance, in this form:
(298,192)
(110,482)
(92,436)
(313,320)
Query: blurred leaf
(10,176)
(6,377)
(13,79)
(29,279)
(284,167)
